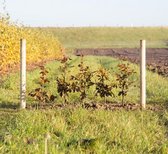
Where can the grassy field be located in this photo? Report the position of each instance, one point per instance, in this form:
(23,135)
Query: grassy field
(83,131)
(110,37)
(80,130)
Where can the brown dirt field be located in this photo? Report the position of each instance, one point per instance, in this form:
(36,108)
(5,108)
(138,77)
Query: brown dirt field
(157,58)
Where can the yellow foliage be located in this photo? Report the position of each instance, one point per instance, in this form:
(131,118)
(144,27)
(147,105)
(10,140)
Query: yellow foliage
(40,46)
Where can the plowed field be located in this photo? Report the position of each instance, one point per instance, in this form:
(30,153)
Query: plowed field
(157,58)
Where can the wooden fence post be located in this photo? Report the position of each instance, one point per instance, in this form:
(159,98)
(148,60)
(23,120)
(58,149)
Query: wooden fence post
(22,73)
(143,74)
(47,138)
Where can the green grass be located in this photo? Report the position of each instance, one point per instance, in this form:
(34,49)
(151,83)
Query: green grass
(83,131)
(110,37)
(78,130)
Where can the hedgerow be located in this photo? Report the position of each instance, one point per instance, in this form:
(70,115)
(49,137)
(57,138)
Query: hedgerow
(41,46)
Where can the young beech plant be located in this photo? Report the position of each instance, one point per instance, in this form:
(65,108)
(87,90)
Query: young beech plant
(82,81)
(123,79)
(40,94)
(63,85)
(102,88)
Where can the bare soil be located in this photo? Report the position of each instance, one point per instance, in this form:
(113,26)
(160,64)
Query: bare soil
(110,106)
(157,58)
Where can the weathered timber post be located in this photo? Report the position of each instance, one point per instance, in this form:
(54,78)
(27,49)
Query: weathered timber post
(143,74)
(22,73)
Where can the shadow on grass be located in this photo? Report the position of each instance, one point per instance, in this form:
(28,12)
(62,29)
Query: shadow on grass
(8,105)
(163,104)
(166,105)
